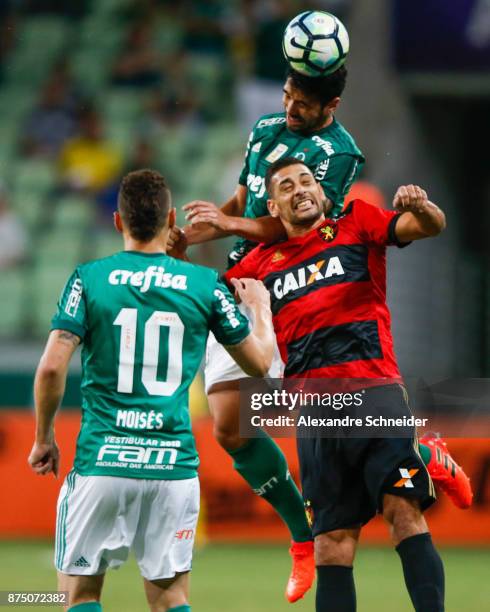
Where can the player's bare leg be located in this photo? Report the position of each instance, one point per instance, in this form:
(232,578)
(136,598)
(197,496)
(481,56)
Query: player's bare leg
(422,566)
(262,464)
(334,557)
(168,595)
(83,591)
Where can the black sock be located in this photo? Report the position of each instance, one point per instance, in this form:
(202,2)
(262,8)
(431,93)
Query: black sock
(424,573)
(335,589)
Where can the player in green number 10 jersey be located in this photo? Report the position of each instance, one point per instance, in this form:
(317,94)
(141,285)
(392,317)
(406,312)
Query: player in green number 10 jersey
(143,318)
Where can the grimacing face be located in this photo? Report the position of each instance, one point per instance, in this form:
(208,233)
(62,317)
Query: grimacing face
(303,113)
(296,197)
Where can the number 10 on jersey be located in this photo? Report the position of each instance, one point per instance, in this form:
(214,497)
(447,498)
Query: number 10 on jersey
(127,319)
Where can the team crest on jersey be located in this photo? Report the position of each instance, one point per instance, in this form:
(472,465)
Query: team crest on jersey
(278,256)
(309,513)
(276,153)
(328,231)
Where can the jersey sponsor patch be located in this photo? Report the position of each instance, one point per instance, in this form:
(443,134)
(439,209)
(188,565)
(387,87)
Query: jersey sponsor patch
(325,145)
(271,121)
(276,153)
(228,308)
(321,170)
(153,276)
(73,301)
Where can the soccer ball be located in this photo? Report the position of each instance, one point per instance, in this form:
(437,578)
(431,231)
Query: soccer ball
(315,43)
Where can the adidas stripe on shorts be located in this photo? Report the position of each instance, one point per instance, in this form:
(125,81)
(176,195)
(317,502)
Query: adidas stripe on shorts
(101,518)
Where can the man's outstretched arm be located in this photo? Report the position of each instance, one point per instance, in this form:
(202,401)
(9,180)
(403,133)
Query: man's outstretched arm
(263,229)
(49,387)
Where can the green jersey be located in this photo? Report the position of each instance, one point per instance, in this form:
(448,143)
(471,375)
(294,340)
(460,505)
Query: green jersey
(144,321)
(331,154)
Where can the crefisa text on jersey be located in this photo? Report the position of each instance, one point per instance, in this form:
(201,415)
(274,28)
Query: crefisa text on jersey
(153,276)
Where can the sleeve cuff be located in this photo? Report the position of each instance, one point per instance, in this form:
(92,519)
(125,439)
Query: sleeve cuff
(71,326)
(392,238)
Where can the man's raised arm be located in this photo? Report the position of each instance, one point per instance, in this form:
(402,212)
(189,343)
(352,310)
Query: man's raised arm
(420,218)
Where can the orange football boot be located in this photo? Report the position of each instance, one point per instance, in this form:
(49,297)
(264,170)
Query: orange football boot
(302,572)
(446,473)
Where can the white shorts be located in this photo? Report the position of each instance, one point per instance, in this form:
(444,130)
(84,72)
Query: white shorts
(100,518)
(221,367)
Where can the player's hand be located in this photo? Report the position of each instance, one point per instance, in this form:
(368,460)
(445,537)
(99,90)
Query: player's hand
(45,458)
(176,242)
(251,291)
(200,211)
(410,198)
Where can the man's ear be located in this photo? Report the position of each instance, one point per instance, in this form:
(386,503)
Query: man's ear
(118,222)
(172,217)
(333,104)
(272,207)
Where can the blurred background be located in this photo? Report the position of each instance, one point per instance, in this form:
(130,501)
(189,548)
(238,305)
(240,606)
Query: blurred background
(90,89)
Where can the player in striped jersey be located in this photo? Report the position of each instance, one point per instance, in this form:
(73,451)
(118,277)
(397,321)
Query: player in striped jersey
(328,296)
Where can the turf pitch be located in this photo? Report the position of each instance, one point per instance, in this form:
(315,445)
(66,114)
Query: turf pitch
(252,578)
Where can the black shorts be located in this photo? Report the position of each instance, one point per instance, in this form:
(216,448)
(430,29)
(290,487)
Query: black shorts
(344,479)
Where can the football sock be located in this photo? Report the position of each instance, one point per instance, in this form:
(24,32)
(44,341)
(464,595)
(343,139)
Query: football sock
(184,608)
(423,571)
(335,589)
(89,606)
(425,453)
(262,464)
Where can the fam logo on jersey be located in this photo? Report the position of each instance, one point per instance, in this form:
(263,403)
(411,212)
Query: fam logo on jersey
(406,478)
(271,121)
(257,146)
(328,231)
(152,276)
(136,457)
(256,184)
(73,301)
(276,153)
(309,513)
(307,275)
(321,170)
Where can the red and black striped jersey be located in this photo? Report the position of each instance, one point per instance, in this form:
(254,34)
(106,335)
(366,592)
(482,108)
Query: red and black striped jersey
(328,295)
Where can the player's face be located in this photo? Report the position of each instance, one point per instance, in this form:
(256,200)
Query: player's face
(303,113)
(296,197)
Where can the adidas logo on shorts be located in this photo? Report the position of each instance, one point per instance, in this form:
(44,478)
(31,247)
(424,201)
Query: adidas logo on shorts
(82,562)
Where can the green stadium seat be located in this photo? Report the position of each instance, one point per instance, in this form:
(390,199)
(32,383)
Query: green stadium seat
(47,284)
(123,104)
(34,175)
(12,290)
(107,243)
(74,211)
(59,245)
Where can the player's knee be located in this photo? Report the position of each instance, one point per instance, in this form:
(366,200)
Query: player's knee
(335,548)
(404,517)
(227,435)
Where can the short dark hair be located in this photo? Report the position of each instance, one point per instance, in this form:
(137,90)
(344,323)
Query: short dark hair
(143,203)
(322,88)
(274,168)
